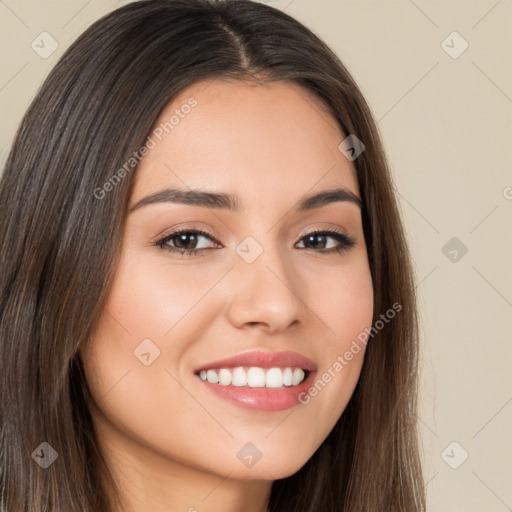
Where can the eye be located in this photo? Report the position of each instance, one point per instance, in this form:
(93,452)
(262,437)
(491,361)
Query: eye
(185,242)
(181,240)
(316,238)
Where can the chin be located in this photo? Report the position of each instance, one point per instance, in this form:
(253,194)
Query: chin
(277,466)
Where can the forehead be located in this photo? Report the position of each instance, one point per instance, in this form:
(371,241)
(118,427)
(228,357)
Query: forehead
(275,137)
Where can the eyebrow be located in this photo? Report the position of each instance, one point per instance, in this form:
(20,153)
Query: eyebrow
(221,200)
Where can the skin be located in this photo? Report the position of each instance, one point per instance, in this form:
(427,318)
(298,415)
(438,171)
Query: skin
(170,443)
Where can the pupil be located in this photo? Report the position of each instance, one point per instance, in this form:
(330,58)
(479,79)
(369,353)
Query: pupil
(313,237)
(182,239)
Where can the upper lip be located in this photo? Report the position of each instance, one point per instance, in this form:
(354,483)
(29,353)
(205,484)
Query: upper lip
(263,360)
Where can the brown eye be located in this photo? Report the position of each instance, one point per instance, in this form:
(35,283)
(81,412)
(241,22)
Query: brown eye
(184,241)
(319,240)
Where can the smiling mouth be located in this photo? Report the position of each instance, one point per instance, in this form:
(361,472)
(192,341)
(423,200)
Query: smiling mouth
(255,377)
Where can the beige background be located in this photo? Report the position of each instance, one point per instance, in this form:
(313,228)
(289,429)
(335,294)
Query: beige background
(447,127)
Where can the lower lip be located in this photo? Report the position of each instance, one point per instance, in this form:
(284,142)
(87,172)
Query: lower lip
(261,399)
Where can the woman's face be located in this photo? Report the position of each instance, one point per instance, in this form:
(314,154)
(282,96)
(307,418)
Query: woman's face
(261,293)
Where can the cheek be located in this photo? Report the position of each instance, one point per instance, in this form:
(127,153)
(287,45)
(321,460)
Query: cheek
(151,298)
(149,310)
(348,307)
(347,312)
(344,300)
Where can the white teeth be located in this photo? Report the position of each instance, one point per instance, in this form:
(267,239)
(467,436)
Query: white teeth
(224,377)
(298,376)
(274,378)
(212,376)
(239,377)
(288,377)
(254,377)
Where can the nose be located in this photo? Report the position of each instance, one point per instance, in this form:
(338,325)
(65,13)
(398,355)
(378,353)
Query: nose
(267,293)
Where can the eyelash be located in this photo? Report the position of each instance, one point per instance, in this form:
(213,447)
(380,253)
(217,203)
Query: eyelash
(346,242)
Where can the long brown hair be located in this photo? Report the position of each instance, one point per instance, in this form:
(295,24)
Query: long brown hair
(61,242)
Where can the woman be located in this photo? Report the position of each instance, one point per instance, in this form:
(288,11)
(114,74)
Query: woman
(206,300)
